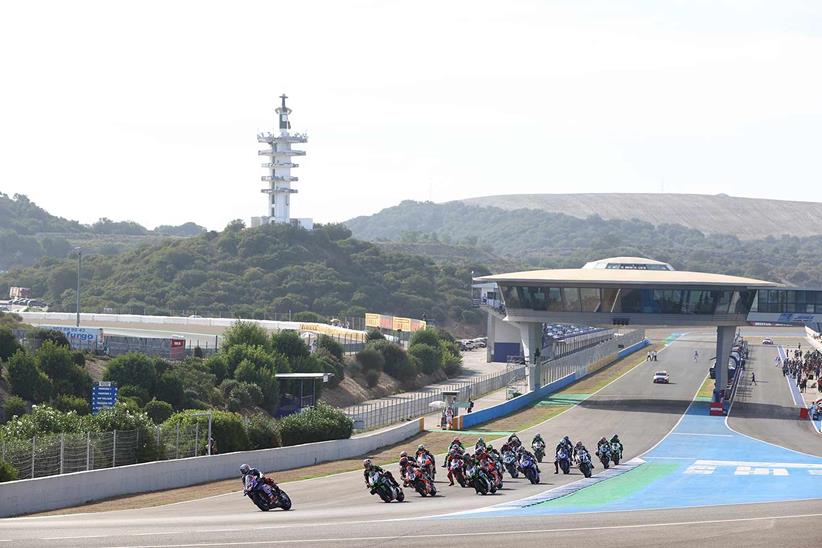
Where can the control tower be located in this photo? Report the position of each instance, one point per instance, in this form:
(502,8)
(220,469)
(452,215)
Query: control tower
(280,162)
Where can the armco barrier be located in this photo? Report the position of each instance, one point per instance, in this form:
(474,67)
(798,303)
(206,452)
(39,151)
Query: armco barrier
(515,404)
(41,494)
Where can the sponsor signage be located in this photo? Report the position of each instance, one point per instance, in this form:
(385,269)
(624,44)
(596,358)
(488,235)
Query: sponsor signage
(394,323)
(84,336)
(103,396)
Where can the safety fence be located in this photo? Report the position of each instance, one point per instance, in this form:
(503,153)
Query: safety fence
(404,407)
(54,454)
(589,359)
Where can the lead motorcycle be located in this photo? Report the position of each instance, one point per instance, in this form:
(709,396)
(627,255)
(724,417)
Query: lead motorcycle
(265,494)
(529,468)
(380,485)
(426,462)
(479,480)
(585,464)
(539,449)
(564,460)
(616,452)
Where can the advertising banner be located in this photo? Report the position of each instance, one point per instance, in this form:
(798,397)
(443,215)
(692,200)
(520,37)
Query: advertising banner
(78,337)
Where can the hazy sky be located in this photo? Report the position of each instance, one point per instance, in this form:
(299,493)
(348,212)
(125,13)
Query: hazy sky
(149,110)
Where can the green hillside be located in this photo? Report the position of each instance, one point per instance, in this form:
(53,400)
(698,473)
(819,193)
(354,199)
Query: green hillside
(29,233)
(258,272)
(538,238)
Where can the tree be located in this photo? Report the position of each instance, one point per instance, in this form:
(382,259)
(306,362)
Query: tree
(170,389)
(333,347)
(289,344)
(132,368)
(8,344)
(370,359)
(374,335)
(158,411)
(26,380)
(248,333)
(263,377)
(429,357)
(14,406)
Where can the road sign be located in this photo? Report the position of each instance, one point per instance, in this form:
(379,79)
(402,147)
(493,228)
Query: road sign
(103,396)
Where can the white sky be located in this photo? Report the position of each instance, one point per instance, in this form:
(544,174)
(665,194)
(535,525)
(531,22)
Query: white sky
(149,110)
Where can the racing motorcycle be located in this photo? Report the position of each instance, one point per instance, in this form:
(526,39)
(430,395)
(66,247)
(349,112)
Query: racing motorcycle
(529,468)
(585,464)
(479,480)
(509,460)
(604,454)
(265,494)
(380,485)
(616,452)
(417,478)
(539,449)
(457,468)
(564,460)
(426,462)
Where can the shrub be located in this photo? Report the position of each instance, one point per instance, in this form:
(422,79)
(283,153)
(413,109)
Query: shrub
(218,365)
(372,378)
(138,393)
(264,378)
(247,333)
(262,432)
(79,358)
(67,402)
(244,395)
(57,337)
(46,420)
(15,406)
(8,344)
(331,365)
(333,347)
(429,357)
(132,368)
(396,359)
(170,389)
(26,380)
(123,417)
(226,428)
(289,344)
(320,423)
(158,411)
(7,472)
(308,316)
(257,355)
(429,336)
(57,362)
(451,364)
(374,335)
(198,352)
(370,360)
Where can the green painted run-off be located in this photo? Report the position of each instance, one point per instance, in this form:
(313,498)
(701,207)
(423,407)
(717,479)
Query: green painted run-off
(616,488)
(564,399)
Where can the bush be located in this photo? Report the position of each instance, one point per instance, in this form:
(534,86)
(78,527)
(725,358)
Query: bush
(244,395)
(8,344)
(57,362)
(372,378)
(26,380)
(227,428)
(57,337)
(429,336)
(264,378)
(123,417)
(396,360)
(7,472)
(170,389)
(66,403)
(198,352)
(428,356)
(289,344)
(15,406)
(374,335)
(370,360)
(320,423)
(308,316)
(138,393)
(333,347)
(218,365)
(331,365)
(132,368)
(79,358)
(451,364)
(262,432)
(158,411)
(247,333)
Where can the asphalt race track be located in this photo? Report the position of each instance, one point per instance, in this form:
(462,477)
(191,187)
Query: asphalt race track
(339,510)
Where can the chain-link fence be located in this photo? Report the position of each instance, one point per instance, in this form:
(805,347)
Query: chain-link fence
(582,360)
(55,454)
(404,407)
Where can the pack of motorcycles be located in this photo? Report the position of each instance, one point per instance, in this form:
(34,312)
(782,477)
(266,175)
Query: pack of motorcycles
(484,470)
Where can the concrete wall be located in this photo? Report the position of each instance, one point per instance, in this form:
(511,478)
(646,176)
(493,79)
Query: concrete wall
(503,339)
(40,494)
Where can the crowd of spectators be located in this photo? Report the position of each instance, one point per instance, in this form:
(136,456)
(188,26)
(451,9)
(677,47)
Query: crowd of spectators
(804,369)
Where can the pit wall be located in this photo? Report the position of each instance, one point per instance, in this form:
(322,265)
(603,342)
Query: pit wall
(49,493)
(491,413)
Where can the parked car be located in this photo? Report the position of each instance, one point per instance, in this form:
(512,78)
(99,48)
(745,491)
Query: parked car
(661,377)
(767,340)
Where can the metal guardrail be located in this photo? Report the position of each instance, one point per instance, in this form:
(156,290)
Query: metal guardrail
(399,408)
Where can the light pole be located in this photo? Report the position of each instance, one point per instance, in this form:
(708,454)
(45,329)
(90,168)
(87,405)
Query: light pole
(79,264)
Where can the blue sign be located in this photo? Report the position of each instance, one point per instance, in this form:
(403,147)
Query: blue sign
(103,396)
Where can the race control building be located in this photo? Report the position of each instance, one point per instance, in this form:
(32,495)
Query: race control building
(633,291)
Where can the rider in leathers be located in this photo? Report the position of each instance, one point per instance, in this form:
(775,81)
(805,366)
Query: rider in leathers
(569,448)
(370,468)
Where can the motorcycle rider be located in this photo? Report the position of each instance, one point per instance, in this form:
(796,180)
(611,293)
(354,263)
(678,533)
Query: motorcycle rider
(537,439)
(603,443)
(479,445)
(564,443)
(371,468)
(522,451)
(269,486)
(615,440)
(580,450)
(405,464)
(455,447)
(455,453)
(514,441)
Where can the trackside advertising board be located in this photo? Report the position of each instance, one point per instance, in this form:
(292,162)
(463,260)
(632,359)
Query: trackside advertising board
(82,337)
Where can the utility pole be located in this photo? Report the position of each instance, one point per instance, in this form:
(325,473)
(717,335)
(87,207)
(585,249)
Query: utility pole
(79,265)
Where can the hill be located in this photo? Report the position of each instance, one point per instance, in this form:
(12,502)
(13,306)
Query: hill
(745,218)
(255,273)
(536,238)
(29,233)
